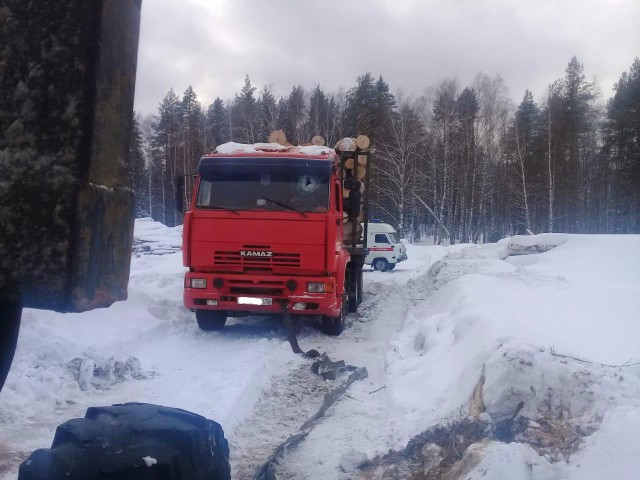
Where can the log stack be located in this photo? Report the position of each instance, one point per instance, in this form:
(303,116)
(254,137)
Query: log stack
(354,158)
(354,155)
(278,136)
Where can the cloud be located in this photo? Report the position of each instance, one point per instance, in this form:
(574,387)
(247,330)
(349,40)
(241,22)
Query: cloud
(212,45)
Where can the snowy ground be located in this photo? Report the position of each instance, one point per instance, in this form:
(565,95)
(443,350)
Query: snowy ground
(451,333)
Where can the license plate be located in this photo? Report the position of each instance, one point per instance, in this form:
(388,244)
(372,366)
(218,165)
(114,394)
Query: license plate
(254,301)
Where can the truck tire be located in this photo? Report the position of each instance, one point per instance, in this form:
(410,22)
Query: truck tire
(392,266)
(335,325)
(10,313)
(209,320)
(133,441)
(359,285)
(380,264)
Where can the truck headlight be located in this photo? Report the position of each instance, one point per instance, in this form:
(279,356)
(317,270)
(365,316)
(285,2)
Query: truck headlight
(320,287)
(198,283)
(315,287)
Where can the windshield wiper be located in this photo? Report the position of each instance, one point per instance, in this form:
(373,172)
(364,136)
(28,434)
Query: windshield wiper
(214,207)
(284,205)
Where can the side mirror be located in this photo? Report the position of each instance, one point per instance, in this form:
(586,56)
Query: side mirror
(178,182)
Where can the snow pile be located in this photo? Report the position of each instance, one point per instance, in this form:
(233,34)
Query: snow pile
(230,148)
(154,238)
(530,244)
(233,147)
(552,337)
(314,150)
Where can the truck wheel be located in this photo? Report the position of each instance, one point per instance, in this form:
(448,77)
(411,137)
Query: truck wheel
(133,441)
(381,264)
(392,266)
(351,287)
(353,304)
(209,320)
(10,313)
(335,326)
(356,288)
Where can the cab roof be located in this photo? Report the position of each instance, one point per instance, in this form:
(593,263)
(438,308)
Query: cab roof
(268,158)
(267,150)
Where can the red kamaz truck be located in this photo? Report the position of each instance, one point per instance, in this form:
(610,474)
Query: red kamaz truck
(265,233)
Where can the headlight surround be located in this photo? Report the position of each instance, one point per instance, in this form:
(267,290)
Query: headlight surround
(198,283)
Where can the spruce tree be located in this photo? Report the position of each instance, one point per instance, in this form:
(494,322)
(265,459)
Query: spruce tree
(218,123)
(138,172)
(621,150)
(244,114)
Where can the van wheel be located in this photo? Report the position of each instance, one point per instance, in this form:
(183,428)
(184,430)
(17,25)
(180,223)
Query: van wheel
(209,320)
(133,441)
(381,264)
(392,266)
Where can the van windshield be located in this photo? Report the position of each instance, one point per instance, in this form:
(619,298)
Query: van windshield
(268,191)
(392,237)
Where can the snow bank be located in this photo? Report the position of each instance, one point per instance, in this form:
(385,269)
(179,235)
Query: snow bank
(554,330)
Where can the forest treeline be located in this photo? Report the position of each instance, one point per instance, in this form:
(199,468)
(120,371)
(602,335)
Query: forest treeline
(454,164)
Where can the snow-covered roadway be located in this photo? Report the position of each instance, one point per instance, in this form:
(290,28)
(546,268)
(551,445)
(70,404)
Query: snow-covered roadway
(427,333)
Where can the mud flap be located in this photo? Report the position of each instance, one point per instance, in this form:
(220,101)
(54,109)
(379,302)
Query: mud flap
(290,326)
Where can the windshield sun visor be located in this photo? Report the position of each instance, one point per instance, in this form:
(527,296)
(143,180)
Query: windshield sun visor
(212,166)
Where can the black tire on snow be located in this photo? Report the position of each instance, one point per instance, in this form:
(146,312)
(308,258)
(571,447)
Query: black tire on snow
(335,325)
(209,320)
(353,304)
(359,285)
(113,443)
(392,266)
(352,284)
(381,264)
(10,313)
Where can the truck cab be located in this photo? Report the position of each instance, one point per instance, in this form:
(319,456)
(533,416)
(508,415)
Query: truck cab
(264,235)
(385,249)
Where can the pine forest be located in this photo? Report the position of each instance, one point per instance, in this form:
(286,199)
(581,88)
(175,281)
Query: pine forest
(455,164)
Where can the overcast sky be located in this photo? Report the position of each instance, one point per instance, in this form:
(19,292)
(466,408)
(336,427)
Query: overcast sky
(213,44)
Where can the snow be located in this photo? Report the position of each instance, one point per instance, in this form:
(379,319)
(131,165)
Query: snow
(232,147)
(558,331)
(314,150)
(149,461)
(552,239)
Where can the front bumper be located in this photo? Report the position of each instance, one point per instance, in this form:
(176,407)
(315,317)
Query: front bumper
(275,288)
(403,257)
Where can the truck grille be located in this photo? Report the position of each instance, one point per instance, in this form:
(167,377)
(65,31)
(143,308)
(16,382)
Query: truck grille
(277,260)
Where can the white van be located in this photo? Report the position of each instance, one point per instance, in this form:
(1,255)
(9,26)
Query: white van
(385,250)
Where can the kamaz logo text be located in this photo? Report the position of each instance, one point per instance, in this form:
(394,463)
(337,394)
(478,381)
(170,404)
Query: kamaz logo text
(255,253)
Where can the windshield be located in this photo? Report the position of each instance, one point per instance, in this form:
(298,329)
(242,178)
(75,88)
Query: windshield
(392,237)
(281,191)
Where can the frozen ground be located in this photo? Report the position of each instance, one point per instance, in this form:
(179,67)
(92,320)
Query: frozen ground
(453,333)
